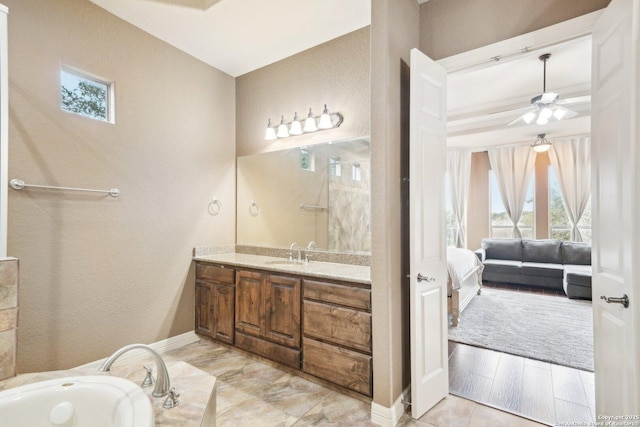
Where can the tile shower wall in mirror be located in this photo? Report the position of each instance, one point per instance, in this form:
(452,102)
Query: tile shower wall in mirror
(319,193)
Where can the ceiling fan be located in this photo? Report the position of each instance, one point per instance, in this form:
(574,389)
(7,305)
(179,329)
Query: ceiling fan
(547,107)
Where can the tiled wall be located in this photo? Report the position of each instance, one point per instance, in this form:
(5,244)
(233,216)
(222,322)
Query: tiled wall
(8,316)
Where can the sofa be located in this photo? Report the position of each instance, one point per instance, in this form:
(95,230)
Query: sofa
(551,264)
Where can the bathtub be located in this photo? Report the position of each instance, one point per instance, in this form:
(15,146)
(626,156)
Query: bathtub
(77,401)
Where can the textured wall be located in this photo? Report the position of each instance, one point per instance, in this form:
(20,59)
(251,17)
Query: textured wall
(335,73)
(100,272)
(389,51)
(449,27)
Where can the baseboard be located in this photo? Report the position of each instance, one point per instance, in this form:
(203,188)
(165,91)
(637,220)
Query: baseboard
(161,346)
(389,417)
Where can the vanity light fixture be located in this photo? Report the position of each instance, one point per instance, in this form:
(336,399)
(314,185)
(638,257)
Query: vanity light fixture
(270,134)
(296,127)
(541,144)
(310,123)
(327,120)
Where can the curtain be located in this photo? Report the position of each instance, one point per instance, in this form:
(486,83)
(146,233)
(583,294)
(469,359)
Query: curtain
(512,167)
(459,168)
(571,162)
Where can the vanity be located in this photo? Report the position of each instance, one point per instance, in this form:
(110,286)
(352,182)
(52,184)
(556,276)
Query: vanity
(311,317)
(315,317)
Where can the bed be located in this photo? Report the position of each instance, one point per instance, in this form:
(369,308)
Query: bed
(464,280)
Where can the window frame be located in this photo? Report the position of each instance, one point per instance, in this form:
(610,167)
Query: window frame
(85,75)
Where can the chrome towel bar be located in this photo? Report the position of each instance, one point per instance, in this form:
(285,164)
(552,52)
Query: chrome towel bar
(18,184)
(304,206)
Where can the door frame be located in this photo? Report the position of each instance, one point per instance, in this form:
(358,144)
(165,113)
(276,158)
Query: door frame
(512,48)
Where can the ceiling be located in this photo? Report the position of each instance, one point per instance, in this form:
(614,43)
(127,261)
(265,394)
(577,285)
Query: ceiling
(239,36)
(483,101)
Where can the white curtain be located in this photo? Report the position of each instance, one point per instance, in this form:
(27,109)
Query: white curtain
(459,168)
(513,167)
(571,162)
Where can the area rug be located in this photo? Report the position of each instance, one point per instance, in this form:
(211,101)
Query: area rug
(549,328)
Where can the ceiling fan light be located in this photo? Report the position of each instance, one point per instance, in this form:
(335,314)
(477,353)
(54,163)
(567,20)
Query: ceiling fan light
(541,144)
(544,116)
(560,113)
(529,117)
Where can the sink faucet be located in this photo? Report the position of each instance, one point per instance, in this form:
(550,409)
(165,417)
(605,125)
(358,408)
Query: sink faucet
(294,245)
(163,384)
(310,247)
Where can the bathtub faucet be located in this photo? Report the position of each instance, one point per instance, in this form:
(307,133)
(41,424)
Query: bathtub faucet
(163,384)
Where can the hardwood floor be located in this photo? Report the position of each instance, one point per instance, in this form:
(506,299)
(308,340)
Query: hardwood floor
(541,391)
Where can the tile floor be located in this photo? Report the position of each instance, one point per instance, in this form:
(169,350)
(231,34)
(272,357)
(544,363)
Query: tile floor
(252,393)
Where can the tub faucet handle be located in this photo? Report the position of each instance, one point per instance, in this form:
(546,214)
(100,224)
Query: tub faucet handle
(148,379)
(172,399)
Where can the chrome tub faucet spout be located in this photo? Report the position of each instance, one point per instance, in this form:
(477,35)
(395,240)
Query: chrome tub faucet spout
(163,384)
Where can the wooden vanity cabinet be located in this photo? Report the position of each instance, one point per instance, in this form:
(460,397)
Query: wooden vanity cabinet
(321,327)
(215,302)
(336,343)
(268,316)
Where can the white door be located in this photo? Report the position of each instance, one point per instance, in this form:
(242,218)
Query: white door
(616,209)
(428,292)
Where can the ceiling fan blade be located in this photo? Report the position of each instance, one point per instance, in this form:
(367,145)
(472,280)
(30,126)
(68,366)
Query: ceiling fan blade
(575,100)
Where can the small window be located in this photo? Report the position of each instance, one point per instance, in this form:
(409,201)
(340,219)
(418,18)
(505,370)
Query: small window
(356,172)
(335,167)
(86,95)
(307,160)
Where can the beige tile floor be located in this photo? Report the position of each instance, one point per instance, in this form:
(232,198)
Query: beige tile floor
(252,393)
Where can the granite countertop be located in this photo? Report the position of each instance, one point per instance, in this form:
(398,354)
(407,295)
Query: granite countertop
(197,390)
(319,269)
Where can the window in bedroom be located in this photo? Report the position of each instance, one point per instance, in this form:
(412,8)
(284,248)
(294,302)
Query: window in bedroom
(559,224)
(86,95)
(501,226)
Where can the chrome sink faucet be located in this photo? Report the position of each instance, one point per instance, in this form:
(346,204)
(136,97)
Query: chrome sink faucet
(312,246)
(163,384)
(295,245)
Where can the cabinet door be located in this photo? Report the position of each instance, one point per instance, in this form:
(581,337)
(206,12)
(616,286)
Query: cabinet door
(282,310)
(204,321)
(249,303)
(223,303)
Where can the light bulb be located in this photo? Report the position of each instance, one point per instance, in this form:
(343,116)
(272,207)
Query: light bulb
(283,132)
(310,123)
(270,134)
(528,118)
(325,119)
(544,116)
(296,127)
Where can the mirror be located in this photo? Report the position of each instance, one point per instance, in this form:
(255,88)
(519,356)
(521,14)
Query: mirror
(317,193)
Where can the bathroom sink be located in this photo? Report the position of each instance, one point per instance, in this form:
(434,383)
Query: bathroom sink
(81,401)
(284,262)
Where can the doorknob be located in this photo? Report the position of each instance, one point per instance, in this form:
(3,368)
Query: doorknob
(624,300)
(427,279)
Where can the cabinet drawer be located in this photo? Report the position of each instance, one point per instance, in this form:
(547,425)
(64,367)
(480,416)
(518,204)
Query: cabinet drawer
(338,294)
(286,356)
(338,365)
(339,325)
(218,274)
